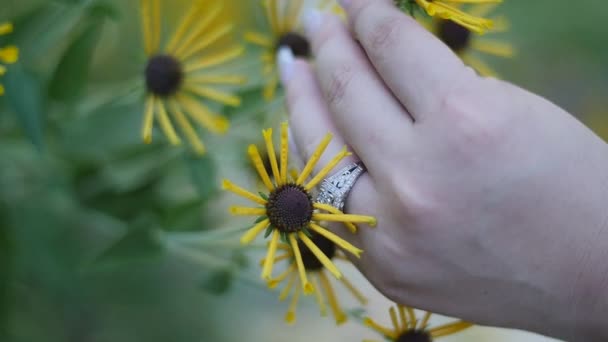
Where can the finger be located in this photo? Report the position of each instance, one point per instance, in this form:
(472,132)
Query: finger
(310,122)
(418,67)
(363,109)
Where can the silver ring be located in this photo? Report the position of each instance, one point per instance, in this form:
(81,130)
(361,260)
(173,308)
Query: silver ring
(335,189)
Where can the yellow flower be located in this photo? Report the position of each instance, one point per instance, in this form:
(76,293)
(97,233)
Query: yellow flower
(449,10)
(8,54)
(288,212)
(407,328)
(284,28)
(187,69)
(317,273)
(467,44)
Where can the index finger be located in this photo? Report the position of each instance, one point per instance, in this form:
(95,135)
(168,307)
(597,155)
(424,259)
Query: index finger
(417,67)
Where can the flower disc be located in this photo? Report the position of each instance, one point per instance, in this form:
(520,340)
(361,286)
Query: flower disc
(163,75)
(298,44)
(453,35)
(289,208)
(310,261)
(414,336)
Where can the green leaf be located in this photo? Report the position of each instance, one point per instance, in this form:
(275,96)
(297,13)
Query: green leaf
(218,282)
(260,219)
(268,231)
(203,175)
(104,10)
(139,243)
(70,76)
(25,98)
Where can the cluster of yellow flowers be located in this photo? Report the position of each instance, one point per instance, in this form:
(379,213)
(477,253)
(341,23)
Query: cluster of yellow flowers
(188,73)
(190,68)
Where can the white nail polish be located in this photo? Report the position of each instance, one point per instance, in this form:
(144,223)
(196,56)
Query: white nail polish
(312,21)
(286,61)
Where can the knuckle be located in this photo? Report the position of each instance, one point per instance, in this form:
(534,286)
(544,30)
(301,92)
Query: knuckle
(382,35)
(339,81)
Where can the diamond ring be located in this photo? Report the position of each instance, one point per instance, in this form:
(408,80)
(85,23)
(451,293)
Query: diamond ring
(335,189)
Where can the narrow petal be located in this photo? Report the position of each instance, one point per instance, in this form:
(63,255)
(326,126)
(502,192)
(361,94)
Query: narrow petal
(183,27)
(306,285)
(382,330)
(187,128)
(284,151)
(259,39)
(9,54)
(482,67)
(334,210)
(165,123)
(201,23)
(146,130)
(215,95)
(327,169)
(413,319)
(272,249)
(327,263)
(272,155)
(394,320)
(6,28)
(290,317)
(245,211)
(224,56)
(253,232)
(203,115)
(281,277)
(336,240)
(229,186)
(494,48)
(371,221)
(217,79)
(353,290)
(449,329)
(339,315)
(208,39)
(254,155)
(425,320)
(319,295)
(405,322)
(290,284)
(314,158)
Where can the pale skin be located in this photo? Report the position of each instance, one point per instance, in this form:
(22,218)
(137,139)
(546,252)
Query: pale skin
(492,202)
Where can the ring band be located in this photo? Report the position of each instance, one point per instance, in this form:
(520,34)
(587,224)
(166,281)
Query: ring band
(335,189)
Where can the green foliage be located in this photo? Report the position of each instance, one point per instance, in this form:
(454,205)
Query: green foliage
(26,99)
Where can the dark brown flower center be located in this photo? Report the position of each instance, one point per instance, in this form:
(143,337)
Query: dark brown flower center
(310,261)
(414,336)
(289,208)
(296,42)
(453,35)
(163,75)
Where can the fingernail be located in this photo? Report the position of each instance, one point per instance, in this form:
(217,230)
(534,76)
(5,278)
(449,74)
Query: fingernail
(312,21)
(286,62)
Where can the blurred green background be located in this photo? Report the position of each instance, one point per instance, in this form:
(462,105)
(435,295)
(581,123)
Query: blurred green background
(85,207)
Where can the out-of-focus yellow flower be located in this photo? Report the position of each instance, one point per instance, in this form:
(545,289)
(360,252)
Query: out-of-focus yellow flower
(325,293)
(187,69)
(467,44)
(406,327)
(450,10)
(284,28)
(8,54)
(288,212)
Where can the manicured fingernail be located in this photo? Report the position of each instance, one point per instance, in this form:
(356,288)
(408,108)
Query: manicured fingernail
(286,61)
(312,21)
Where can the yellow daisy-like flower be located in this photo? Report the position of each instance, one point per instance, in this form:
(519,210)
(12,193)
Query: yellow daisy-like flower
(8,54)
(467,44)
(185,71)
(284,29)
(288,211)
(450,10)
(317,273)
(406,327)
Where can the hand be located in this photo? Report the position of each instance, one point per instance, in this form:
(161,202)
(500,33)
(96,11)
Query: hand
(491,201)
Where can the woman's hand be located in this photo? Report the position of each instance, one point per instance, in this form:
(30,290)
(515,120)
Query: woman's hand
(492,202)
